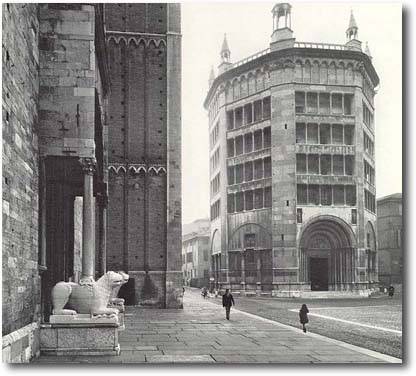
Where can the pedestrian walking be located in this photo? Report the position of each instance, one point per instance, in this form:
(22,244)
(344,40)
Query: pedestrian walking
(303,316)
(391,291)
(227,302)
(204,292)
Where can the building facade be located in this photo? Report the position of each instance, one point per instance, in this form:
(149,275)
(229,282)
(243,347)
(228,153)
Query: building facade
(292,166)
(196,253)
(58,64)
(390,240)
(144,152)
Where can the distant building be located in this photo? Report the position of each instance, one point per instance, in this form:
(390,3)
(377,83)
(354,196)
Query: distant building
(292,165)
(390,235)
(195,253)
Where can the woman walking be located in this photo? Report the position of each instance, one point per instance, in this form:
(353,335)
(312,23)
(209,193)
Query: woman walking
(303,316)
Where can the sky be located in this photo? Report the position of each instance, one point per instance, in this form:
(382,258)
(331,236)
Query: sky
(248,26)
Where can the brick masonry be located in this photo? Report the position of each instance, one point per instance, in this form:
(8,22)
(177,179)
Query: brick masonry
(144,130)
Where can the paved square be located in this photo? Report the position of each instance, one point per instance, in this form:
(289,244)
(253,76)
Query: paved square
(200,334)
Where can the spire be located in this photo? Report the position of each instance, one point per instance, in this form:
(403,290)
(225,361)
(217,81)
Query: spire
(211,76)
(367,50)
(225,50)
(352,31)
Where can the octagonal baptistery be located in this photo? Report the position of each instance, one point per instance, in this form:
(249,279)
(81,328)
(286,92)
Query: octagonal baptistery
(292,167)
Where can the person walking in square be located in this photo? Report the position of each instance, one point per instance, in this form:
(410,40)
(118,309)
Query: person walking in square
(391,291)
(227,302)
(303,316)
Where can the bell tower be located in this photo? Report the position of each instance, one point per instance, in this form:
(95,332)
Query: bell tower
(282,36)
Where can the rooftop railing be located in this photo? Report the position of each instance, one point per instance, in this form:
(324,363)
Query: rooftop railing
(323,46)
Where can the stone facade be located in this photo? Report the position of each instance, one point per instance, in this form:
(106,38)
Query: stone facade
(292,166)
(20,165)
(144,216)
(196,253)
(390,240)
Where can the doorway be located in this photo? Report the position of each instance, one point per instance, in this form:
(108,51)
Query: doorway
(319,273)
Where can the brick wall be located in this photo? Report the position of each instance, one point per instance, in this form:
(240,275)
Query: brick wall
(137,240)
(21,295)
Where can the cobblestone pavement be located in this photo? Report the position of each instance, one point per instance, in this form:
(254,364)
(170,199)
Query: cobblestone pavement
(200,334)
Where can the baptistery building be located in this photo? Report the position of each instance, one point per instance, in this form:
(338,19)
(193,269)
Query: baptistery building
(292,167)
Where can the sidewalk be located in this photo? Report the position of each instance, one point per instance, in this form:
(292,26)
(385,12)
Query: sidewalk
(200,334)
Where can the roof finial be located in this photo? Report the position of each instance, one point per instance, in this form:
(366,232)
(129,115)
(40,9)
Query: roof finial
(352,31)
(225,50)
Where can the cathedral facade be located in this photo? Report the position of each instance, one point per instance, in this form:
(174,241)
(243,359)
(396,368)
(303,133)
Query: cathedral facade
(292,167)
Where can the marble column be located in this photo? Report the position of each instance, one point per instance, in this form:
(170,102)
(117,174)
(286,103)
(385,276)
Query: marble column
(88,230)
(102,204)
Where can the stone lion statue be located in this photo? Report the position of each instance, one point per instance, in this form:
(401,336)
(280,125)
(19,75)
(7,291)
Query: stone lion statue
(70,298)
(114,300)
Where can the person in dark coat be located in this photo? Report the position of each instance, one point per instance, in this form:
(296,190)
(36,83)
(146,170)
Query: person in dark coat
(391,291)
(227,302)
(303,316)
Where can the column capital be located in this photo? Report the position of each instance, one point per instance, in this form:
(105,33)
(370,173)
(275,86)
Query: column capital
(88,165)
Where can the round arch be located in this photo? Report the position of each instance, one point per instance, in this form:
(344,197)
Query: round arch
(326,259)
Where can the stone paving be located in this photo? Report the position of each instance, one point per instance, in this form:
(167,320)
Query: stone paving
(200,334)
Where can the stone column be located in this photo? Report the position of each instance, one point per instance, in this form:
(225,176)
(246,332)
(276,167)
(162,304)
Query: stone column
(102,204)
(243,271)
(88,230)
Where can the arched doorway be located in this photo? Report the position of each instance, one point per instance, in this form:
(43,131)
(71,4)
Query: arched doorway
(327,254)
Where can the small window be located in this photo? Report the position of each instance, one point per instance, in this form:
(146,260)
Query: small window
(301,163)
(230,147)
(258,169)
(238,117)
(300,133)
(313,194)
(248,142)
(337,104)
(258,198)
(349,165)
(354,216)
(348,98)
(312,102)
(302,194)
(313,137)
(239,173)
(248,171)
(339,195)
(248,200)
(266,108)
(325,164)
(338,164)
(230,175)
(324,103)
(350,195)
(267,137)
(239,148)
(300,102)
(258,140)
(230,203)
(239,202)
(326,195)
(299,213)
(230,120)
(324,134)
(268,197)
(258,110)
(337,134)
(248,114)
(267,167)
(313,164)
(349,134)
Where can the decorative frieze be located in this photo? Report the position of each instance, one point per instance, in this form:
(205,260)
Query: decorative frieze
(137,168)
(136,38)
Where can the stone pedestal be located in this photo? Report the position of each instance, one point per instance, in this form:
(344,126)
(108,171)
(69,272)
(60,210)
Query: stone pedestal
(79,335)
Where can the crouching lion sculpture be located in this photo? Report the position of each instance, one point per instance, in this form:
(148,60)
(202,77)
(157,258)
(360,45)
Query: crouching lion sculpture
(70,298)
